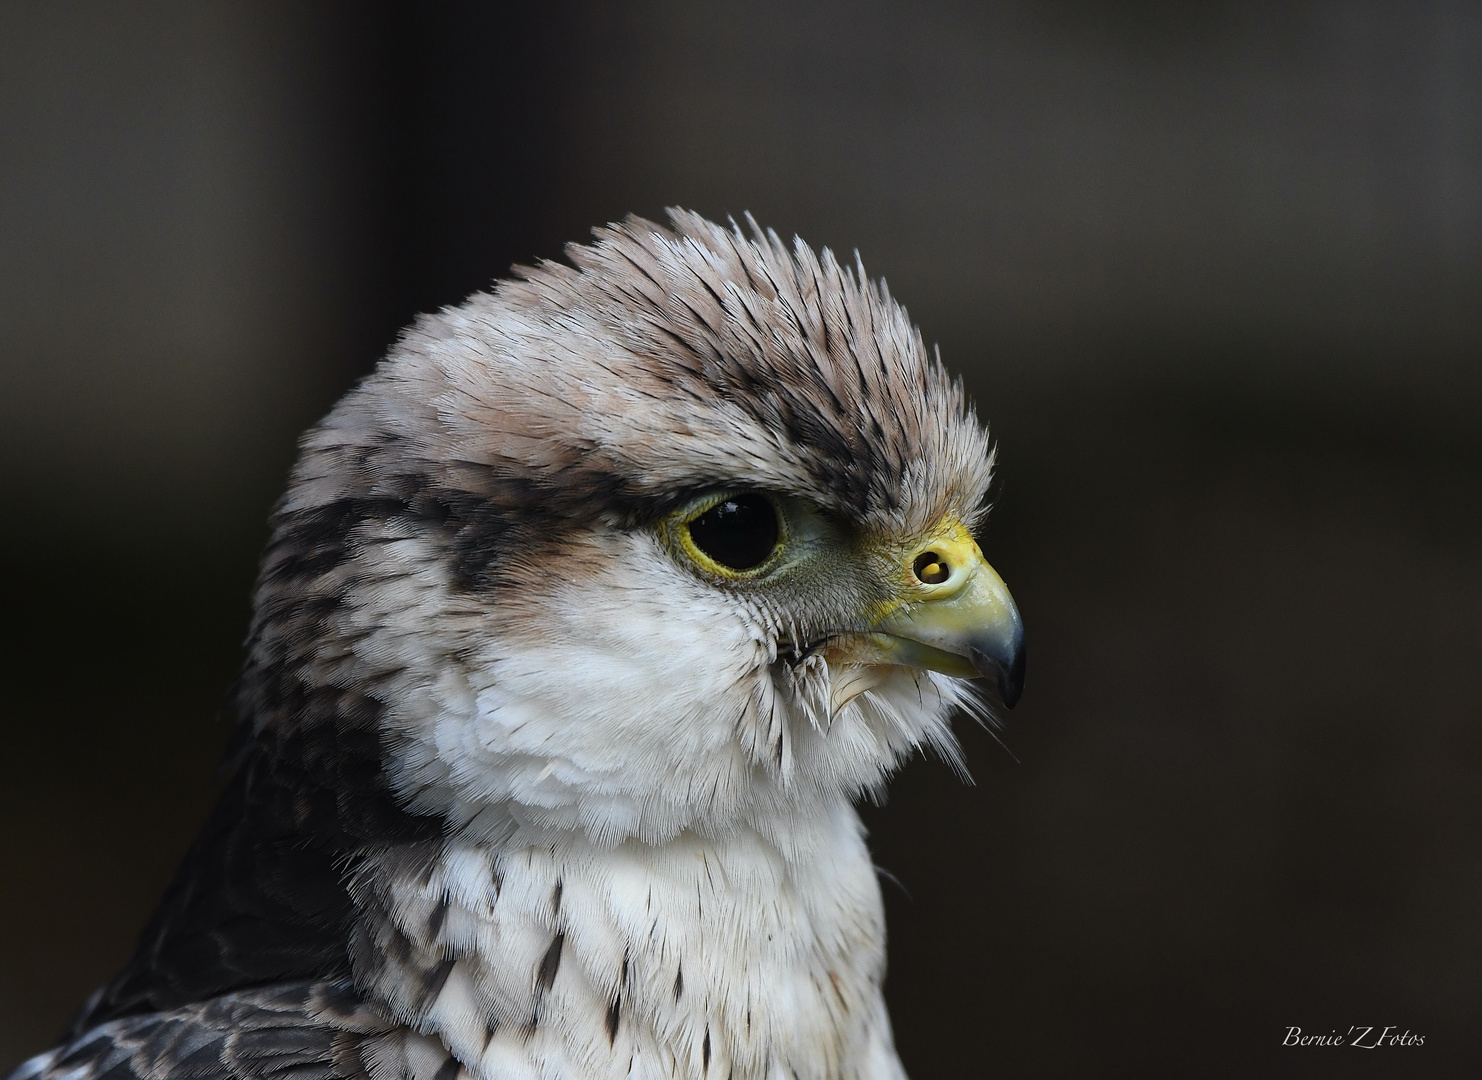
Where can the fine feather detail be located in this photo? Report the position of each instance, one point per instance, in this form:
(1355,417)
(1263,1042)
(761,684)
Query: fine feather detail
(517,794)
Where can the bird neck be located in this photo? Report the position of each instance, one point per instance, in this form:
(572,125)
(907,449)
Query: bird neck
(705,956)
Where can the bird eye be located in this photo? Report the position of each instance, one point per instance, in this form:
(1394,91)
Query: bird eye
(738,533)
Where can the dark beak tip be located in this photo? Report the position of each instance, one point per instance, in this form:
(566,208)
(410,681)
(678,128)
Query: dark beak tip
(1008,674)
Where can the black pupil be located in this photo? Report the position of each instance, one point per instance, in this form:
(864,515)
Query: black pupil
(738,533)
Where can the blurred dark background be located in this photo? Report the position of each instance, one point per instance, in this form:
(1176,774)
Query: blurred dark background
(1213,274)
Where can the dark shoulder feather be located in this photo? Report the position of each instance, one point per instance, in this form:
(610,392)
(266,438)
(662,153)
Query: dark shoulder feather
(303,1031)
(261,897)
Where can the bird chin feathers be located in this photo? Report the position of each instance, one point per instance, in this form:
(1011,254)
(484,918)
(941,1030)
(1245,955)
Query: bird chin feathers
(624,699)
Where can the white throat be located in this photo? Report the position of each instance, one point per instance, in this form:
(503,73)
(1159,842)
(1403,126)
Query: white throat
(654,867)
(700,957)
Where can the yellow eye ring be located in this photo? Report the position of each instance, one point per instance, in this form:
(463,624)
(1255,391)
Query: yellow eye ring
(732,535)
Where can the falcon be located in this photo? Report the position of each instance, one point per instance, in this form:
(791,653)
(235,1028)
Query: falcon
(585,620)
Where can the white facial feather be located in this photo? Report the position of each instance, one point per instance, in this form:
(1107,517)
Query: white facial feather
(614,727)
(620,697)
(652,866)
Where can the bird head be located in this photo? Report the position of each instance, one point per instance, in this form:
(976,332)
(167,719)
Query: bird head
(675,537)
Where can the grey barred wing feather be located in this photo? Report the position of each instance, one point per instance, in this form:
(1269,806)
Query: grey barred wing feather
(305,1031)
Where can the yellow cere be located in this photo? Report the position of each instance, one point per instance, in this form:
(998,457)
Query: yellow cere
(940,563)
(936,565)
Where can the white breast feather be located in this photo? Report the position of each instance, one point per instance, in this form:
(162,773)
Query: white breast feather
(611,749)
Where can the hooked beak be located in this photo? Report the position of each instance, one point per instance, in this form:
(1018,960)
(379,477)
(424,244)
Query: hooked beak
(958,618)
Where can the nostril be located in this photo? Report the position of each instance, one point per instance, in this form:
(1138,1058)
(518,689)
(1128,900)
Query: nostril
(931,568)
